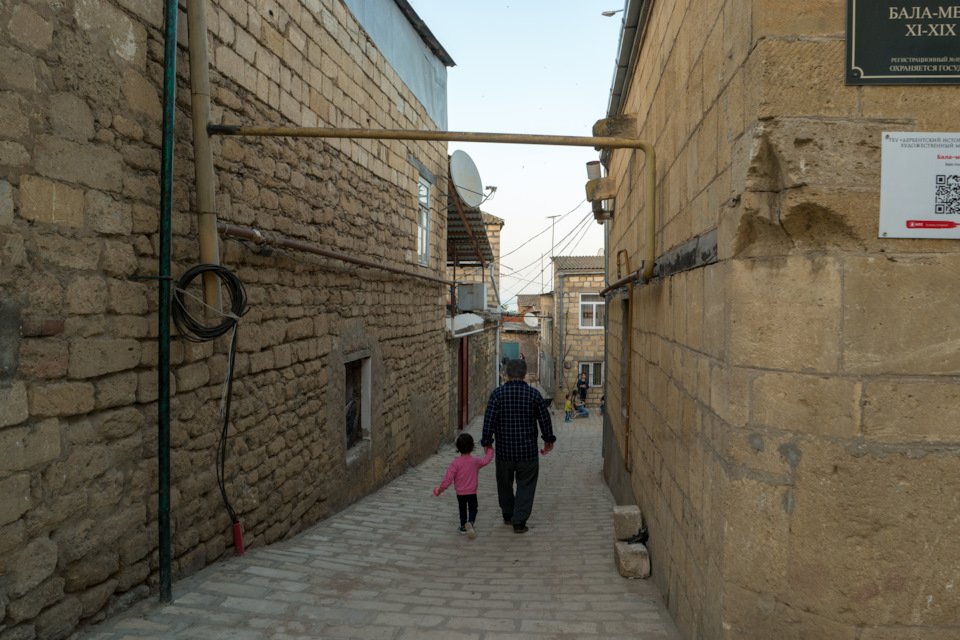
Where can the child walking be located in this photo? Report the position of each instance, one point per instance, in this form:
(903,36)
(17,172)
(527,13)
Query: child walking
(568,409)
(464,473)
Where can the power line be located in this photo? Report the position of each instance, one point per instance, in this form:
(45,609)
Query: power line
(542,232)
(567,237)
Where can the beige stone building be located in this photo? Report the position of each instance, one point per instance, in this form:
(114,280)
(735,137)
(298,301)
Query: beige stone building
(782,391)
(528,303)
(80,107)
(575,321)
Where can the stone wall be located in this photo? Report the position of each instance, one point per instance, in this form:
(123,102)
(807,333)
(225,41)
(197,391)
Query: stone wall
(793,441)
(572,343)
(79,163)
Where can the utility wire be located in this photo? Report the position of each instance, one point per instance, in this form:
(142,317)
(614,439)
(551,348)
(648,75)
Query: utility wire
(566,238)
(581,227)
(529,240)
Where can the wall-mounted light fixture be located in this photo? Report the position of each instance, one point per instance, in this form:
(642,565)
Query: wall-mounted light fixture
(611,13)
(599,189)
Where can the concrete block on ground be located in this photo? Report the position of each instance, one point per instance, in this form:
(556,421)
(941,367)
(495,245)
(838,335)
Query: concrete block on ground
(633,560)
(626,521)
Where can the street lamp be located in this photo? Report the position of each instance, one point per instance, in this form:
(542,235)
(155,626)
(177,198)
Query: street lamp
(611,13)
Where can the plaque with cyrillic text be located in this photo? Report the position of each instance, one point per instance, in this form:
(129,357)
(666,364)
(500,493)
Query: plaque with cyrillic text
(899,43)
(920,185)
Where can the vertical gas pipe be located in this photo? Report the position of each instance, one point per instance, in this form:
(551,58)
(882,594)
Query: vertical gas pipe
(628,334)
(163,339)
(202,151)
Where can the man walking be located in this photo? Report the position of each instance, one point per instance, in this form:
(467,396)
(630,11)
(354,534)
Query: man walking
(513,412)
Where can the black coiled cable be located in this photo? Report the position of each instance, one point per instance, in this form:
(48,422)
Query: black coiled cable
(195,331)
(191,328)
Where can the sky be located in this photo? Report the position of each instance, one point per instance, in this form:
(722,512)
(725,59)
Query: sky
(539,67)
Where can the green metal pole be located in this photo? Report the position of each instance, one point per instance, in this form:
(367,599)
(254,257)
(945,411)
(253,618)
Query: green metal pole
(163,367)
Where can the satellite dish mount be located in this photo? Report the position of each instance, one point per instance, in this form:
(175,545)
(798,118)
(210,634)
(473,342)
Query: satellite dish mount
(466,179)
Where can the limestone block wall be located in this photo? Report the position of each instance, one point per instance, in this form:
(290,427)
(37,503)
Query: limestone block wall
(79,192)
(572,343)
(793,443)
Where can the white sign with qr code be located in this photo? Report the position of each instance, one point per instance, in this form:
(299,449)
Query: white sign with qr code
(920,185)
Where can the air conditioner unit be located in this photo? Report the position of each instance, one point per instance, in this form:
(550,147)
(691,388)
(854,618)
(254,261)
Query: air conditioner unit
(472,297)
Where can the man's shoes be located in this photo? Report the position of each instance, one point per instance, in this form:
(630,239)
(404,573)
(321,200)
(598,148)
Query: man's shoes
(462,530)
(508,521)
(520,528)
(469,531)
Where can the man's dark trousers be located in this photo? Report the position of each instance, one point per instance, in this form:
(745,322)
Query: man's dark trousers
(517,507)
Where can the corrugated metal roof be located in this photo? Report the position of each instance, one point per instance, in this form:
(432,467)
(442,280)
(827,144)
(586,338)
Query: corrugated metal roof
(528,300)
(467,242)
(581,263)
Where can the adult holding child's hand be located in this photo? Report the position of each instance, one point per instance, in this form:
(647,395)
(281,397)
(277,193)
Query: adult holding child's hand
(514,411)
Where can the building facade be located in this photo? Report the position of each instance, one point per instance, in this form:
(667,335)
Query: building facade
(80,103)
(780,390)
(577,327)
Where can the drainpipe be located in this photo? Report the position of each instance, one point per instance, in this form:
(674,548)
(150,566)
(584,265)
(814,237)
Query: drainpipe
(628,333)
(202,153)
(606,332)
(163,339)
(649,191)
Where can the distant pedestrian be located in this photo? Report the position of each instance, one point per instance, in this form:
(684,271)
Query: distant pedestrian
(582,386)
(522,358)
(513,412)
(464,473)
(567,409)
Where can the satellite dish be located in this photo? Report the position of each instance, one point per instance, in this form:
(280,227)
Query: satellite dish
(466,179)
(530,319)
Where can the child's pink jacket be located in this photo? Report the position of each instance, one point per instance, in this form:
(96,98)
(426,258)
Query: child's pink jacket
(463,472)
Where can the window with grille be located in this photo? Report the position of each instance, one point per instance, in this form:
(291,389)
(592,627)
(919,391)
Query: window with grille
(591,311)
(594,371)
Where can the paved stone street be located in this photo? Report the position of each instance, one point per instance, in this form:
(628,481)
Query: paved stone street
(392,566)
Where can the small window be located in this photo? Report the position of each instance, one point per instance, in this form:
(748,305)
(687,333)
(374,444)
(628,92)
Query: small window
(356,408)
(423,222)
(591,311)
(594,371)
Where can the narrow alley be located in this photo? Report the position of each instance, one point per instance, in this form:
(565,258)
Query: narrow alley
(393,566)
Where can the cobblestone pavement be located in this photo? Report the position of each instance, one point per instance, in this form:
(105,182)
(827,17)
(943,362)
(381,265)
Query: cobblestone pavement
(392,566)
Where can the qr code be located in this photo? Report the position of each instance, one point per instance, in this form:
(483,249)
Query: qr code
(948,195)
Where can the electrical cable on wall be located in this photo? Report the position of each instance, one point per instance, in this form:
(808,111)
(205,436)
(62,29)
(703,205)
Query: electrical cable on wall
(195,331)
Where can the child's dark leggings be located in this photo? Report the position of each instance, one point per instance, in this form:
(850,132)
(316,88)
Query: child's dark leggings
(467,502)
